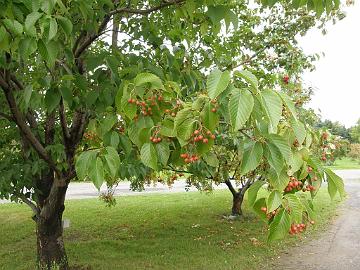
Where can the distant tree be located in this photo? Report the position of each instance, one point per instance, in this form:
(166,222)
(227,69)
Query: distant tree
(335,128)
(355,132)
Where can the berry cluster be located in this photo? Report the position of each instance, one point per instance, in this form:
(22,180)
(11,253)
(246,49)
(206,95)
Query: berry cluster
(199,136)
(155,139)
(309,188)
(269,215)
(297,228)
(293,184)
(189,158)
(173,111)
(286,79)
(214,105)
(90,135)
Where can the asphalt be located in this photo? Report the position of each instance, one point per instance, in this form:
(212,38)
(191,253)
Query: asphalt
(337,248)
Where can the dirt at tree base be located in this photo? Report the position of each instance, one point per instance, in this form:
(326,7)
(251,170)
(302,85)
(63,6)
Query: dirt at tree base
(336,249)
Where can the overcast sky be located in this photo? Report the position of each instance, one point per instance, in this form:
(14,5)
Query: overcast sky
(337,76)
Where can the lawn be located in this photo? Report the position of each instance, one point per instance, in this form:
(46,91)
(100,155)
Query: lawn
(168,231)
(345,164)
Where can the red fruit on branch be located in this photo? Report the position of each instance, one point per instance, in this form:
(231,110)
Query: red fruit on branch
(213,110)
(205,140)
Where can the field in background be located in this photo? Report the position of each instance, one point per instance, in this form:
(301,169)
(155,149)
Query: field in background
(167,231)
(345,163)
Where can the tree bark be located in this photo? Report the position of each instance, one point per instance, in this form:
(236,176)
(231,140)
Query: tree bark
(49,230)
(238,199)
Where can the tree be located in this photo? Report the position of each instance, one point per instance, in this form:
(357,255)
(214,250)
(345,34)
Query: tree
(61,82)
(355,132)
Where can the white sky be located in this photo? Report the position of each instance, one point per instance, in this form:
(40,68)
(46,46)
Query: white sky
(336,78)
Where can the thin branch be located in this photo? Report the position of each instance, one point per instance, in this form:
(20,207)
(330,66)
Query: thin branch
(24,128)
(63,121)
(230,186)
(146,11)
(33,207)
(7,117)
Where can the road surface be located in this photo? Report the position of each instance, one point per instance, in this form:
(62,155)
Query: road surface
(337,248)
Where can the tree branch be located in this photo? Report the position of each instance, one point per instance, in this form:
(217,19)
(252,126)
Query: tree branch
(24,128)
(230,186)
(33,207)
(63,121)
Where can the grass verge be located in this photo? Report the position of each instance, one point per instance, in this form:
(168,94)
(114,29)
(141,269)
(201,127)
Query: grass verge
(345,164)
(167,231)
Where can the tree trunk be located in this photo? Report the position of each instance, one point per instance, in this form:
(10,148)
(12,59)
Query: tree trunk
(237,203)
(49,230)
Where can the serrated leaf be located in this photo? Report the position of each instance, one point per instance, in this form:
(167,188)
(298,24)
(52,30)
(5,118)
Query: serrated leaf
(289,104)
(217,82)
(251,157)
(241,105)
(335,184)
(282,144)
(273,108)
(280,226)
(30,21)
(65,24)
(209,118)
(253,192)
(112,160)
(163,152)
(153,80)
(211,159)
(96,172)
(167,128)
(274,201)
(52,99)
(53,27)
(149,156)
(278,181)
(299,130)
(83,163)
(249,78)
(274,157)
(295,206)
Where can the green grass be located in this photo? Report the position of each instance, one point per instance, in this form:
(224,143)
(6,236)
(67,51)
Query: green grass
(168,231)
(345,164)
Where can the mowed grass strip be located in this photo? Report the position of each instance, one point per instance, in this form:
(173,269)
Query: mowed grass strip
(167,231)
(345,163)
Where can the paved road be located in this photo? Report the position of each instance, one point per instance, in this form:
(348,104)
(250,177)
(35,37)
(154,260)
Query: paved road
(339,247)
(88,190)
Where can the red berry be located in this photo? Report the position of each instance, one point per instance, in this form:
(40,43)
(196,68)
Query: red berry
(184,155)
(263,209)
(173,114)
(213,110)
(200,137)
(167,111)
(208,132)
(196,132)
(187,160)
(205,140)
(212,136)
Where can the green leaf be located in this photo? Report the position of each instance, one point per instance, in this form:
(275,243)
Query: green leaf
(96,172)
(30,21)
(52,99)
(27,95)
(107,123)
(83,163)
(288,103)
(66,25)
(149,156)
(273,107)
(251,158)
(163,152)
(217,82)
(280,226)
(241,105)
(282,144)
(257,208)
(114,139)
(335,184)
(153,80)
(53,27)
(274,201)
(13,26)
(299,130)
(211,159)
(112,160)
(296,207)
(167,128)
(278,181)
(253,192)
(209,118)
(274,157)
(249,78)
